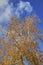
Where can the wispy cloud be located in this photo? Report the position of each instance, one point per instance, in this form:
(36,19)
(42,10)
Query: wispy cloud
(5,10)
(6,13)
(22,9)
(25,5)
(3,3)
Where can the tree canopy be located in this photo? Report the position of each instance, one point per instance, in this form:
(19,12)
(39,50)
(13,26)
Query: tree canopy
(21,41)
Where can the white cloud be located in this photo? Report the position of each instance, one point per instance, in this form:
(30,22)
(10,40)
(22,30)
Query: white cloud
(6,9)
(6,14)
(23,7)
(28,7)
(3,2)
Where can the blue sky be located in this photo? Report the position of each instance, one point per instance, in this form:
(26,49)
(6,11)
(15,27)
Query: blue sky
(20,8)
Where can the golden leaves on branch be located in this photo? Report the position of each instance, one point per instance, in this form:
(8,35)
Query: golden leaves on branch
(22,42)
